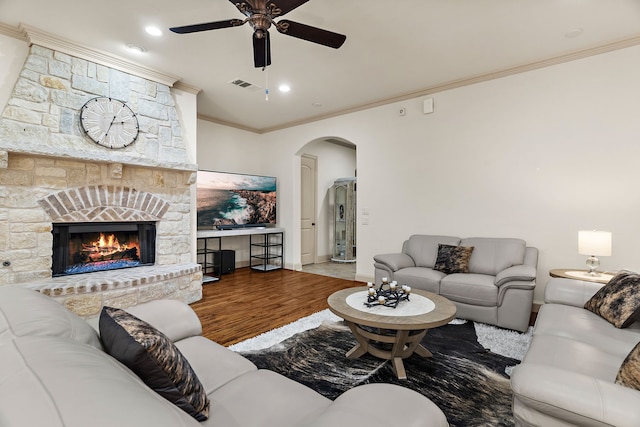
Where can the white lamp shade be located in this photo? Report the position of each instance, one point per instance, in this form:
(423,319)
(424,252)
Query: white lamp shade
(596,243)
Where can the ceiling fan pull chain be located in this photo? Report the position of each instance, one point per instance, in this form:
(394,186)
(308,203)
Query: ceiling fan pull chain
(266,83)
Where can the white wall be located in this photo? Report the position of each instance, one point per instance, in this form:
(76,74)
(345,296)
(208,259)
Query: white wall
(537,156)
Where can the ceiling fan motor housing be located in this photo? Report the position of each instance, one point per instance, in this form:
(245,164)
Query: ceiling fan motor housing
(261,14)
(260,24)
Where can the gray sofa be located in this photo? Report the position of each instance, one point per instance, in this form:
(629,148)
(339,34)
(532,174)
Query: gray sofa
(498,289)
(54,372)
(567,377)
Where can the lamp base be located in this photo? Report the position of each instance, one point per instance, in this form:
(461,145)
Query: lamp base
(592,265)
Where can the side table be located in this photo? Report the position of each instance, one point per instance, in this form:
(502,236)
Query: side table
(581,275)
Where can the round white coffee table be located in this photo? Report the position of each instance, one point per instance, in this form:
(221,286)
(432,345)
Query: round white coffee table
(378,328)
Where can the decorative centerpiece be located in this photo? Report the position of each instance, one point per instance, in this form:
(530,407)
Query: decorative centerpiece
(388,294)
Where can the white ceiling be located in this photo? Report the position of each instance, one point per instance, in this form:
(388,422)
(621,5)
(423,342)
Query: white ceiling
(394,50)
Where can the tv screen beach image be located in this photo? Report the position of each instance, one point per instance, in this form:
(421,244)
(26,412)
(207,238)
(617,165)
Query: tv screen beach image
(228,199)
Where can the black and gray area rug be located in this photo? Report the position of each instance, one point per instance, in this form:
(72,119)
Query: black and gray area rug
(467,381)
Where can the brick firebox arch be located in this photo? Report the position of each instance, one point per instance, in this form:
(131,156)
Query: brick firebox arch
(103,203)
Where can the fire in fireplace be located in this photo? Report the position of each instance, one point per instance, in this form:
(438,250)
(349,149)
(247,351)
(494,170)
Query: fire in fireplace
(85,248)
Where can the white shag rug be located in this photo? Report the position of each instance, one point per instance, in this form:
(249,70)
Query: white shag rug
(280,334)
(501,341)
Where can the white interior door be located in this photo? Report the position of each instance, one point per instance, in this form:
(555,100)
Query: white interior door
(308,197)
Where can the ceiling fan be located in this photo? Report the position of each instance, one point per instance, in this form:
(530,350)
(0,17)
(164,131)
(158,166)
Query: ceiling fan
(260,14)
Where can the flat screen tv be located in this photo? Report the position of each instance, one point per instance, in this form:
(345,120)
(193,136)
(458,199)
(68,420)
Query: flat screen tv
(231,200)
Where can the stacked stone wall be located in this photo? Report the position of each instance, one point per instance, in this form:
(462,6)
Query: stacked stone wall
(42,115)
(50,172)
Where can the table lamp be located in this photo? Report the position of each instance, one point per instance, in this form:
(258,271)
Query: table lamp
(595,244)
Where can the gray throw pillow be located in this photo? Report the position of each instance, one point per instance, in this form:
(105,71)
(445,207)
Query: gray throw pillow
(618,301)
(629,373)
(154,358)
(453,259)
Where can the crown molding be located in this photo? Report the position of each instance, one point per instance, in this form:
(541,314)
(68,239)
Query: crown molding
(42,38)
(454,84)
(11,31)
(231,124)
(187,87)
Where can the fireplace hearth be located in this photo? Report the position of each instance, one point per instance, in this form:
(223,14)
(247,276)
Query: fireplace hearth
(90,247)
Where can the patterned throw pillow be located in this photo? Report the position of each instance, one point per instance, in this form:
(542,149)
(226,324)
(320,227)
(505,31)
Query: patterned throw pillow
(154,358)
(629,373)
(453,259)
(618,302)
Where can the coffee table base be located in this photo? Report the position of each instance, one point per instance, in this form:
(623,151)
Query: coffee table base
(403,344)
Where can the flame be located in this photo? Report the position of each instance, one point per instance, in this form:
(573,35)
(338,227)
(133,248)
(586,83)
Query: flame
(104,246)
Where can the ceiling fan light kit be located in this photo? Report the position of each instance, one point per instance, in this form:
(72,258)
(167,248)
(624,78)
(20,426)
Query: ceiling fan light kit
(261,14)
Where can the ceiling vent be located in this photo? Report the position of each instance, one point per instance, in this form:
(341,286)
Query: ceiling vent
(245,85)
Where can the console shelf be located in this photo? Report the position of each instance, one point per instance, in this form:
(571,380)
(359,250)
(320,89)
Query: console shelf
(267,251)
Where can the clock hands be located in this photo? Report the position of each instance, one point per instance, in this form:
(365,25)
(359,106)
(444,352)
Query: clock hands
(109,128)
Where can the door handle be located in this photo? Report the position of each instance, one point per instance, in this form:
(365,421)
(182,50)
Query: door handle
(313,224)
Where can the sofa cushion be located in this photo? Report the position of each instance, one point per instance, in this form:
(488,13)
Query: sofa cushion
(474,289)
(266,399)
(25,312)
(453,259)
(420,278)
(618,301)
(173,318)
(579,324)
(424,249)
(353,408)
(154,358)
(214,364)
(48,381)
(574,356)
(492,255)
(629,373)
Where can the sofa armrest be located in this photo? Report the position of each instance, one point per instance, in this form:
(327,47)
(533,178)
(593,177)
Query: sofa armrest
(575,398)
(173,318)
(394,262)
(569,291)
(359,406)
(520,273)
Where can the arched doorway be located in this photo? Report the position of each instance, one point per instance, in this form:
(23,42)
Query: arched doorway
(323,161)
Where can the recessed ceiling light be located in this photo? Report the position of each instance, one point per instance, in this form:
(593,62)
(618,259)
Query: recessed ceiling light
(573,33)
(316,104)
(135,48)
(284,88)
(154,31)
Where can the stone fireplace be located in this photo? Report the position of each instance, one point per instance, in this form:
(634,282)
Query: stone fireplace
(60,190)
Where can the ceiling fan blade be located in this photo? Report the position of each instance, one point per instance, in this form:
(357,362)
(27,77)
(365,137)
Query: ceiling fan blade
(312,34)
(207,26)
(261,50)
(243,6)
(280,7)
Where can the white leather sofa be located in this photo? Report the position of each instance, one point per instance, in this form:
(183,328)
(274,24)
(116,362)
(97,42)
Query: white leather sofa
(498,289)
(54,372)
(567,377)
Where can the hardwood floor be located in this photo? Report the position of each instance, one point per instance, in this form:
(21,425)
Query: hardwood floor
(247,303)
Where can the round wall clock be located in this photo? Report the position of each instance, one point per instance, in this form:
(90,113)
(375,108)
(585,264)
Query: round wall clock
(109,122)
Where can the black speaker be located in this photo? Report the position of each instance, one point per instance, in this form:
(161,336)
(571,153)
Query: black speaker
(225,265)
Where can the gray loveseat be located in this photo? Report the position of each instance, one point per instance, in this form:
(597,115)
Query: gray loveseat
(54,372)
(567,377)
(498,289)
